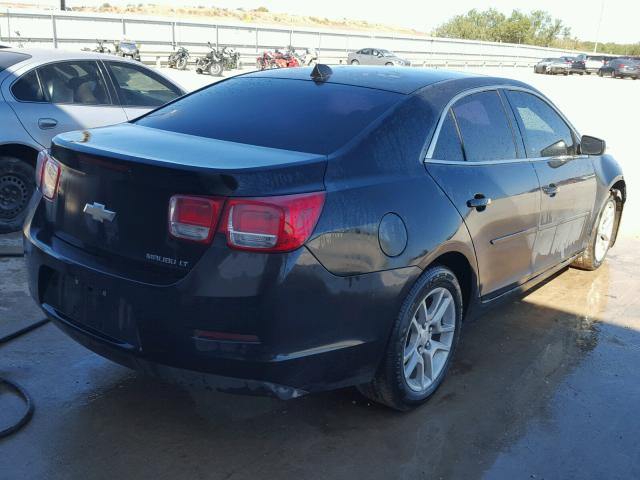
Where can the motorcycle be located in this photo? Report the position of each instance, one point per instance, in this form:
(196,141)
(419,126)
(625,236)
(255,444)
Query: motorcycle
(101,48)
(309,58)
(127,48)
(285,59)
(265,61)
(230,58)
(179,58)
(211,63)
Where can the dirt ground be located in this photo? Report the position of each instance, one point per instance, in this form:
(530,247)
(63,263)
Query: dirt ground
(545,387)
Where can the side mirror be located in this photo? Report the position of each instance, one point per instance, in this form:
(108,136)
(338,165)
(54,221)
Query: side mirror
(557,149)
(592,145)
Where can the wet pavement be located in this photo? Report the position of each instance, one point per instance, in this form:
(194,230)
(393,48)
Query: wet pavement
(545,387)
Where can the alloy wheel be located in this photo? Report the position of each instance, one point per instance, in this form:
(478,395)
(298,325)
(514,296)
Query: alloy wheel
(605,230)
(429,339)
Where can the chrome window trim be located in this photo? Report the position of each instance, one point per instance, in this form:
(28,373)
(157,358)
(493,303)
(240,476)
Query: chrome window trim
(489,88)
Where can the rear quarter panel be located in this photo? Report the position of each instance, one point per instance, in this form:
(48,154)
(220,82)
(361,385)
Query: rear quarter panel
(380,173)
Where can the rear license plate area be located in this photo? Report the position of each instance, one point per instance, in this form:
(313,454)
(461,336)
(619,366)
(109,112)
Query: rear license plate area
(99,309)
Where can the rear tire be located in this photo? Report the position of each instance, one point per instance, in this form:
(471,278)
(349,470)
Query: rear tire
(215,69)
(355,62)
(16,188)
(602,236)
(388,64)
(424,337)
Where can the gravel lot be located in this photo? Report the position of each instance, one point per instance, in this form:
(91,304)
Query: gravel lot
(544,387)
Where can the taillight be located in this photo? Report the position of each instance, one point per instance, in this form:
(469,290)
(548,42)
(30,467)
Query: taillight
(42,158)
(47,175)
(194,218)
(271,224)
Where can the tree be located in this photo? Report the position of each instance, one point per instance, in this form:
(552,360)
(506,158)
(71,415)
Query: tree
(537,27)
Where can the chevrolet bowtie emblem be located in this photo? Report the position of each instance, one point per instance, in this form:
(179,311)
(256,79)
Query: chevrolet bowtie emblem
(98,212)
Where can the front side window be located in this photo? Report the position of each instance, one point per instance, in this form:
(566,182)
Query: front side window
(28,88)
(540,124)
(448,146)
(78,83)
(138,87)
(485,130)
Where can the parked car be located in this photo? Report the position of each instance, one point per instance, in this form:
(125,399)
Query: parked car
(301,250)
(575,64)
(376,56)
(593,63)
(558,66)
(541,66)
(621,68)
(46,92)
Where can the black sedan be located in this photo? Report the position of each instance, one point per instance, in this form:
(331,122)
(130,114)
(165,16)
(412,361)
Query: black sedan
(342,242)
(621,68)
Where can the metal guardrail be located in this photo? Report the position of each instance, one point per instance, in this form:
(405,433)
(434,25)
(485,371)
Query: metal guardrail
(157,35)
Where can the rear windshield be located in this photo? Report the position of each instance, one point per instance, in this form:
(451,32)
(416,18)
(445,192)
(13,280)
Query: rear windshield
(278,113)
(11,58)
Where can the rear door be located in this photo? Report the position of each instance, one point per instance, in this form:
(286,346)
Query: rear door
(478,162)
(139,89)
(567,180)
(60,97)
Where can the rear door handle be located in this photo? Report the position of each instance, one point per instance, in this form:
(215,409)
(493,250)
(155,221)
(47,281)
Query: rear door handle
(46,123)
(550,189)
(479,202)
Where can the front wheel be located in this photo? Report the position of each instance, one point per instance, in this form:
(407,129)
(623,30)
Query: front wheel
(215,69)
(181,64)
(422,343)
(355,62)
(16,187)
(601,239)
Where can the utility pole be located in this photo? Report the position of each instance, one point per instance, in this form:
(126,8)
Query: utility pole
(63,7)
(595,47)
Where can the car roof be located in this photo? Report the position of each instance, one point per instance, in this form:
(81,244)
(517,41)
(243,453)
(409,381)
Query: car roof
(403,80)
(48,54)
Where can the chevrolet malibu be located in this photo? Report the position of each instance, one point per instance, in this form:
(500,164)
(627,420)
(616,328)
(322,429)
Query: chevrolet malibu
(344,242)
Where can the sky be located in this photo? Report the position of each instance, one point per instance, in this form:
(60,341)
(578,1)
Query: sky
(620,18)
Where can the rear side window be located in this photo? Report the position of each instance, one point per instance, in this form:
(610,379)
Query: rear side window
(8,59)
(139,87)
(28,88)
(74,82)
(540,124)
(448,146)
(295,115)
(486,132)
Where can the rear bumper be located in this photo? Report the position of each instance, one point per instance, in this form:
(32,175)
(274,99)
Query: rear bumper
(306,329)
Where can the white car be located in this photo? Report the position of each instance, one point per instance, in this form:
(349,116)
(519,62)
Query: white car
(47,92)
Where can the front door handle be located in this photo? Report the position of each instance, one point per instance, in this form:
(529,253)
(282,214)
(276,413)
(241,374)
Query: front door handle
(479,202)
(550,189)
(47,123)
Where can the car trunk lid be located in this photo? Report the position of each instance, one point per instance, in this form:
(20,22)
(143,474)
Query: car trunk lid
(133,171)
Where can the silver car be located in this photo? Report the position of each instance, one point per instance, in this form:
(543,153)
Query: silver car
(47,92)
(376,56)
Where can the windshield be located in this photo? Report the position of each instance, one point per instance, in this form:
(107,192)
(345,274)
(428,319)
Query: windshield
(387,53)
(242,110)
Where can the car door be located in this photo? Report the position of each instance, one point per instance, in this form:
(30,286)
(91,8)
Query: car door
(62,96)
(376,58)
(479,164)
(139,89)
(567,179)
